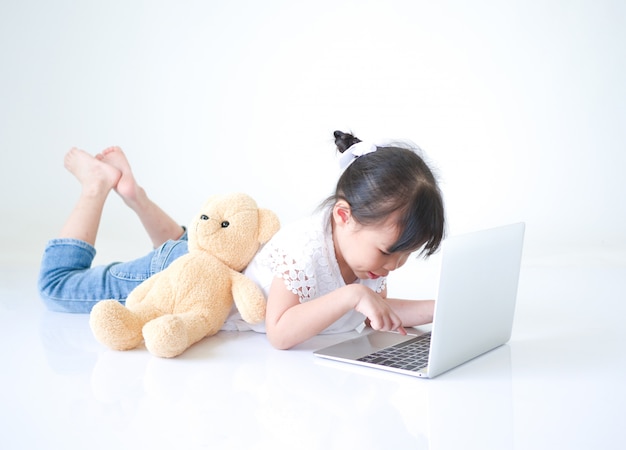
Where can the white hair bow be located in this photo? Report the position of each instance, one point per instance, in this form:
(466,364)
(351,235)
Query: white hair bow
(362,148)
(354,151)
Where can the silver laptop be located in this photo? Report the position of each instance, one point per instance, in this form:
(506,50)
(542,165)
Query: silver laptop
(473,312)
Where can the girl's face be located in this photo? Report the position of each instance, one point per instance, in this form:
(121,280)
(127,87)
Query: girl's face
(361,250)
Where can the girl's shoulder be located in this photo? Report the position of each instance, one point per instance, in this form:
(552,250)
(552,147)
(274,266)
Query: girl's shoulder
(313,230)
(302,254)
(301,241)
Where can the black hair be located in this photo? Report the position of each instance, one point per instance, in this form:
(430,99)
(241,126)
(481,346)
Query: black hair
(393,179)
(344,141)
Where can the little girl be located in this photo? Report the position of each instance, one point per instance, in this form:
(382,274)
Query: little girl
(326,274)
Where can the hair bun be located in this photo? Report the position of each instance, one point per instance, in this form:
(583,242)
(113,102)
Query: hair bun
(344,141)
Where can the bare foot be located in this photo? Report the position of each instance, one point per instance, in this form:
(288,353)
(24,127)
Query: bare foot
(159,225)
(95,177)
(126,186)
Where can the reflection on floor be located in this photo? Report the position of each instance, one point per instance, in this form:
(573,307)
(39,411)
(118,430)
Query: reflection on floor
(557,384)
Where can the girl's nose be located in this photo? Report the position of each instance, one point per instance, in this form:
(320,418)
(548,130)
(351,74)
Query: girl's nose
(395,261)
(391,265)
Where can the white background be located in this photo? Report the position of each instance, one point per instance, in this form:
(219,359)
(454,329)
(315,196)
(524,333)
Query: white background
(519,104)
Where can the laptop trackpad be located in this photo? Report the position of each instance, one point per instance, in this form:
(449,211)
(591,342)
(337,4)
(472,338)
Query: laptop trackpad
(364,345)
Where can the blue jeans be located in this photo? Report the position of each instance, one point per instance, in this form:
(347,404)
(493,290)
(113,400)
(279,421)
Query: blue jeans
(68,283)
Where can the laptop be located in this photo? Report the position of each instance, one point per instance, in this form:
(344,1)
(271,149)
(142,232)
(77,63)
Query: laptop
(474,309)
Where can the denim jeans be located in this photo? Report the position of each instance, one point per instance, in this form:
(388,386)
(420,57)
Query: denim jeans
(68,283)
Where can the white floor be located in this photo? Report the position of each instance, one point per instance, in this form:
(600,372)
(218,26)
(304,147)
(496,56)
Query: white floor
(559,384)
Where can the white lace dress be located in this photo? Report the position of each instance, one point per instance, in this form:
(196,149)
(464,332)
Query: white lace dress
(303,255)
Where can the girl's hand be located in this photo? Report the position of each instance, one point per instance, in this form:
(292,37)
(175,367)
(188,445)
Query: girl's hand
(380,315)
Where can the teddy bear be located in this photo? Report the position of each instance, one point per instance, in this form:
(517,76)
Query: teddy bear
(192,298)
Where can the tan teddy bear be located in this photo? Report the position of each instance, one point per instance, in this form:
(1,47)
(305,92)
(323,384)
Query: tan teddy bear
(192,298)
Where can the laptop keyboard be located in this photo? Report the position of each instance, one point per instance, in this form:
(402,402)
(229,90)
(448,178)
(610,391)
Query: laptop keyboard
(410,355)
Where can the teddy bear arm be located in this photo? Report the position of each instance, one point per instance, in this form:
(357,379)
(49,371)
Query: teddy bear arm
(248,298)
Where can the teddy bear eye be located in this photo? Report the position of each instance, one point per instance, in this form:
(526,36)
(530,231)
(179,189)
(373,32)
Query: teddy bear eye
(225,224)
(204,217)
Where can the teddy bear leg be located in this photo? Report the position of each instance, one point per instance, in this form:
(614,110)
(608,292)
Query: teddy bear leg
(115,326)
(171,335)
(166,336)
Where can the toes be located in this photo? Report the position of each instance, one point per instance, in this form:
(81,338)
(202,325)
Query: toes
(113,148)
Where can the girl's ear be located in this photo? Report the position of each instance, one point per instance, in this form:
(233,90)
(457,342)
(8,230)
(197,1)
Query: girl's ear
(341,212)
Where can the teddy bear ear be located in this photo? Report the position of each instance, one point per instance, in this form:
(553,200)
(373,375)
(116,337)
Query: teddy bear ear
(268,225)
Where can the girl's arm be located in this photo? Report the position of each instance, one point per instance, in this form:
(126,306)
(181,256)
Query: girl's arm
(289,322)
(413,312)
